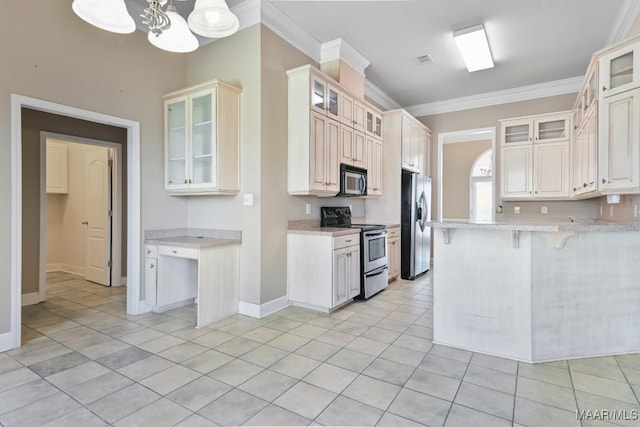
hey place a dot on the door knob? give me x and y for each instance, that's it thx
(85, 222)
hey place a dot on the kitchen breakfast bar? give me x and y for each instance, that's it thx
(537, 291)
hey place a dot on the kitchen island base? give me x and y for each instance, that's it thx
(537, 295)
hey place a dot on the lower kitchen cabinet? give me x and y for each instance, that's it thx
(176, 276)
(323, 272)
(393, 250)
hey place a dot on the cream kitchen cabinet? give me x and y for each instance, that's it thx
(584, 154)
(178, 275)
(323, 271)
(534, 156)
(393, 249)
(619, 142)
(373, 122)
(353, 147)
(374, 166)
(57, 169)
(620, 68)
(412, 137)
(202, 137)
(325, 97)
(551, 175)
(352, 112)
(544, 128)
(517, 171)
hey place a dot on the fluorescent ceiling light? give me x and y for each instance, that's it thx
(474, 47)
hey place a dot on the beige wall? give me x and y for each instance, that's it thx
(457, 160)
(55, 56)
(489, 117)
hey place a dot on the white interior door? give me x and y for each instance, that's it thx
(98, 205)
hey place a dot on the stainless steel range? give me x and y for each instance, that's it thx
(374, 264)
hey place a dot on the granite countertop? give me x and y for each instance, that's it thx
(533, 225)
(196, 238)
(312, 226)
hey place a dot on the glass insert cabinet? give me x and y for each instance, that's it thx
(202, 126)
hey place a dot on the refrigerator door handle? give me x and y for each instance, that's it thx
(423, 207)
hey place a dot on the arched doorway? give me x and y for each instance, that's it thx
(481, 188)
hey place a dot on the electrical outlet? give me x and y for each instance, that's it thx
(611, 211)
(543, 210)
(307, 208)
(601, 210)
(635, 210)
(248, 199)
(516, 209)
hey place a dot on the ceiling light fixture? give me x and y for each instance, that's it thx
(109, 15)
(167, 29)
(474, 47)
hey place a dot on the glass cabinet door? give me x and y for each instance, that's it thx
(552, 129)
(176, 143)
(517, 132)
(203, 141)
(619, 71)
(333, 100)
(318, 95)
(378, 126)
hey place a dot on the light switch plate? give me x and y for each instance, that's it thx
(307, 209)
(516, 209)
(544, 210)
(248, 199)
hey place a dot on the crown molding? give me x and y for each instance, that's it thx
(626, 17)
(248, 13)
(524, 93)
(342, 50)
(375, 94)
(285, 27)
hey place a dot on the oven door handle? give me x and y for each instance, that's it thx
(380, 233)
(378, 273)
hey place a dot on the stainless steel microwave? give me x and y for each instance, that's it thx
(353, 181)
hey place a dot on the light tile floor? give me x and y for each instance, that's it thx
(85, 362)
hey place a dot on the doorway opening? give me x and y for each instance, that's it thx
(457, 154)
(131, 128)
(481, 188)
(81, 224)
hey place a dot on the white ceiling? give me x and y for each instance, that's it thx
(533, 41)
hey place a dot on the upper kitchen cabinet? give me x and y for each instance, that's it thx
(619, 142)
(202, 140)
(328, 126)
(325, 98)
(411, 136)
(620, 68)
(374, 166)
(534, 153)
(57, 167)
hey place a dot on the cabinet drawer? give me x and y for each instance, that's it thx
(393, 232)
(151, 251)
(344, 241)
(178, 252)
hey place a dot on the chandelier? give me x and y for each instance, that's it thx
(167, 29)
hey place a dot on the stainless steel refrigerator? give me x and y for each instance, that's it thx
(415, 234)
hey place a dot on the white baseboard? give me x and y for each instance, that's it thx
(262, 310)
(6, 341)
(123, 282)
(30, 299)
(67, 268)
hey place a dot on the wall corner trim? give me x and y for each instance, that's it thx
(6, 341)
(262, 310)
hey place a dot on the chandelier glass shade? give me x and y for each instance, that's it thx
(212, 18)
(109, 15)
(177, 38)
(167, 29)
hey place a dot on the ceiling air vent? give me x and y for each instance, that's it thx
(425, 59)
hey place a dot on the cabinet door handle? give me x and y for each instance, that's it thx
(348, 241)
(175, 252)
(189, 181)
(148, 251)
(604, 88)
(151, 266)
(185, 180)
(584, 185)
(604, 181)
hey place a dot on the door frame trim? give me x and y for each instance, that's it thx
(116, 203)
(134, 305)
